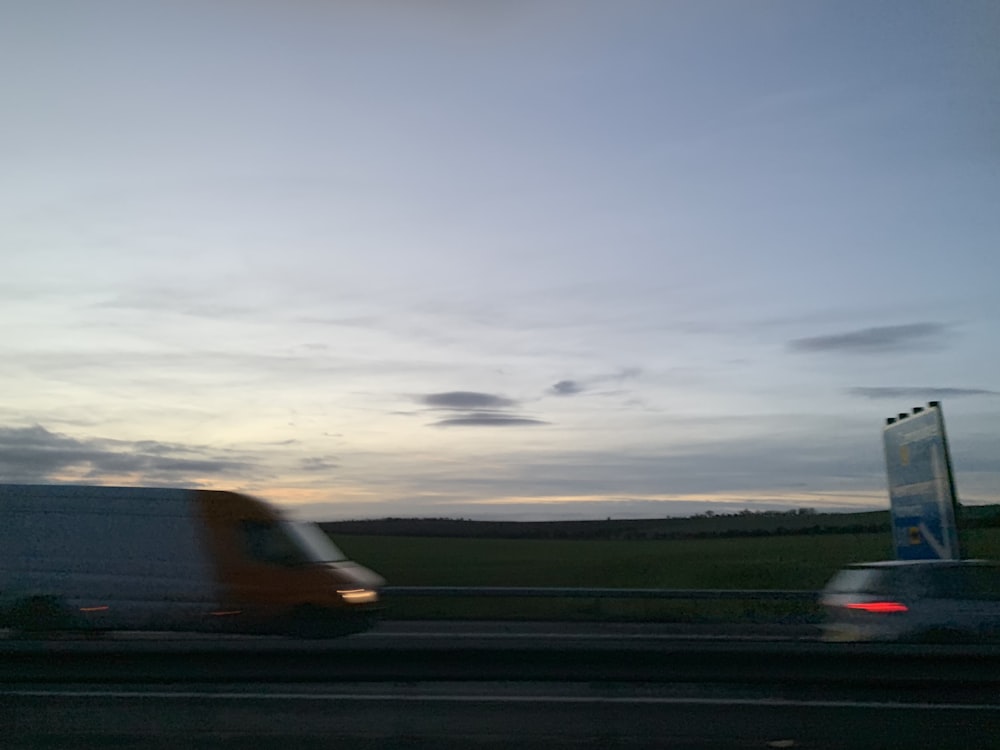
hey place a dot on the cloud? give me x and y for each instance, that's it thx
(567, 387)
(917, 393)
(461, 400)
(33, 454)
(571, 387)
(487, 419)
(318, 464)
(872, 340)
(476, 410)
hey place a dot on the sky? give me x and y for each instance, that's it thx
(498, 260)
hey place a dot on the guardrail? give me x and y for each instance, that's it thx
(600, 593)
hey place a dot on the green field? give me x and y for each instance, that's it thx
(781, 562)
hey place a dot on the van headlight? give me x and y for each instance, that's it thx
(358, 596)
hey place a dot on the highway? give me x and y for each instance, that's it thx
(492, 685)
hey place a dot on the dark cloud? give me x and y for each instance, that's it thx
(931, 394)
(477, 410)
(33, 454)
(318, 464)
(461, 400)
(567, 387)
(873, 340)
(487, 419)
(570, 387)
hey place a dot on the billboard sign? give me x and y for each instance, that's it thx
(921, 486)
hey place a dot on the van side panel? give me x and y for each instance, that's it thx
(222, 515)
(121, 557)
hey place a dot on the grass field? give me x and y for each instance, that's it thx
(783, 562)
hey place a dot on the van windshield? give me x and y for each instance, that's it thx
(315, 545)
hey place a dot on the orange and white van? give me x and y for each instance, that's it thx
(141, 558)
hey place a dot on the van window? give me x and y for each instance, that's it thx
(267, 542)
(313, 543)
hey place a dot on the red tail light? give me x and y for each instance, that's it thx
(878, 606)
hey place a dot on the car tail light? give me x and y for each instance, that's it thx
(880, 607)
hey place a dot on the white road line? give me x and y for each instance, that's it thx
(584, 636)
(632, 700)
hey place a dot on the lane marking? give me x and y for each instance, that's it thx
(584, 636)
(644, 700)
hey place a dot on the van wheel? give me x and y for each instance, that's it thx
(309, 621)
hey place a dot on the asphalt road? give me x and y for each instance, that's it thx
(476, 715)
(481, 685)
(395, 632)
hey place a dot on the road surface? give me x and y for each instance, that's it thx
(461, 685)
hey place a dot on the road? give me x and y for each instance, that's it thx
(491, 686)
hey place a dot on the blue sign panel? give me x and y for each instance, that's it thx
(921, 487)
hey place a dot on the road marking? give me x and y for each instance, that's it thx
(586, 636)
(632, 700)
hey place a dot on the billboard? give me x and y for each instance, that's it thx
(921, 486)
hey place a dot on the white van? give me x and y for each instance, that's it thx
(137, 558)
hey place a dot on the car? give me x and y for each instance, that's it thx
(914, 600)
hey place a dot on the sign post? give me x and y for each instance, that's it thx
(922, 498)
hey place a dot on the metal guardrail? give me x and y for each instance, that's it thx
(601, 593)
